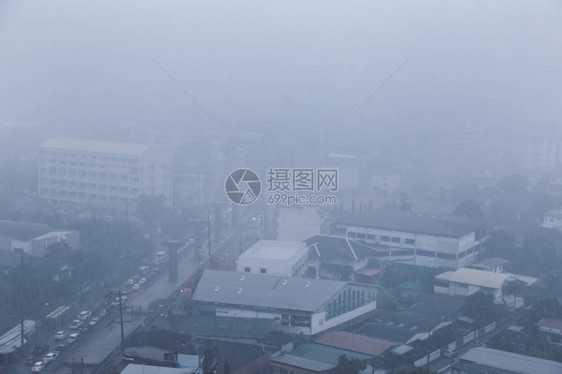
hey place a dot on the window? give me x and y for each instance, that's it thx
(385, 238)
(351, 234)
(410, 241)
(394, 239)
(371, 237)
(360, 236)
(263, 270)
(421, 252)
(246, 269)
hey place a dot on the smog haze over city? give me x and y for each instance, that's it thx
(280, 187)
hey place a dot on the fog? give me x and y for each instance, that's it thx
(331, 187)
(475, 64)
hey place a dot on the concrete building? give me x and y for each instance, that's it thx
(465, 282)
(487, 360)
(415, 238)
(33, 238)
(493, 264)
(274, 257)
(553, 219)
(297, 305)
(107, 176)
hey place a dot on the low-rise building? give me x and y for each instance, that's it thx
(553, 219)
(465, 282)
(273, 257)
(487, 360)
(493, 264)
(297, 305)
(552, 328)
(416, 238)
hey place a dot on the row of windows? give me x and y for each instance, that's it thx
(79, 156)
(383, 238)
(82, 196)
(102, 176)
(347, 301)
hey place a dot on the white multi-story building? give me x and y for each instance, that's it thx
(415, 238)
(109, 176)
(274, 257)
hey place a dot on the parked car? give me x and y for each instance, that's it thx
(449, 353)
(30, 361)
(72, 337)
(75, 325)
(38, 367)
(60, 335)
(50, 357)
(84, 315)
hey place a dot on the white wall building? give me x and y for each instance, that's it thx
(465, 282)
(553, 219)
(109, 176)
(416, 238)
(298, 305)
(274, 257)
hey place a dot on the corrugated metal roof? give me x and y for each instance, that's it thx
(303, 363)
(355, 342)
(95, 146)
(513, 362)
(269, 291)
(475, 277)
(413, 222)
(323, 353)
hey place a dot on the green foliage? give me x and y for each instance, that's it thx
(348, 366)
(481, 307)
(502, 244)
(543, 247)
(470, 209)
(151, 209)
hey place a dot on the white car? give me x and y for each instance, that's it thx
(84, 315)
(76, 324)
(136, 286)
(72, 337)
(49, 357)
(38, 367)
(60, 335)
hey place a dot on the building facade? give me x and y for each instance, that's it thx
(297, 305)
(274, 257)
(107, 176)
(413, 238)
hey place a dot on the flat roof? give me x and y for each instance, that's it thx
(147, 369)
(302, 363)
(326, 354)
(355, 342)
(550, 324)
(268, 291)
(491, 262)
(95, 146)
(475, 277)
(514, 362)
(413, 222)
(275, 250)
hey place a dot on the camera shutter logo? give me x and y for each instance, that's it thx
(243, 186)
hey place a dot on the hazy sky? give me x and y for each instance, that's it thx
(248, 62)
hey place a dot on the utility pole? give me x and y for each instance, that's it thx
(21, 306)
(121, 322)
(209, 232)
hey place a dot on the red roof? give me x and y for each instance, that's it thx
(354, 342)
(550, 324)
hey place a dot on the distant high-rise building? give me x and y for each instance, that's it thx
(108, 176)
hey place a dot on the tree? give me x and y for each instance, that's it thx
(151, 208)
(226, 368)
(479, 306)
(470, 209)
(541, 247)
(349, 366)
(501, 243)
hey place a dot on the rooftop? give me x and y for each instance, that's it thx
(326, 354)
(95, 146)
(22, 230)
(490, 262)
(475, 277)
(413, 222)
(355, 342)
(268, 291)
(337, 248)
(550, 324)
(510, 361)
(275, 250)
(147, 369)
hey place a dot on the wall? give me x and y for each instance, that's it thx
(319, 326)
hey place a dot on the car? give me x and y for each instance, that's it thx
(72, 337)
(93, 321)
(84, 328)
(142, 281)
(130, 282)
(60, 335)
(38, 367)
(450, 353)
(30, 361)
(50, 357)
(137, 286)
(104, 313)
(60, 348)
(39, 349)
(84, 315)
(75, 325)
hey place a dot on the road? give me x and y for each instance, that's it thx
(95, 347)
